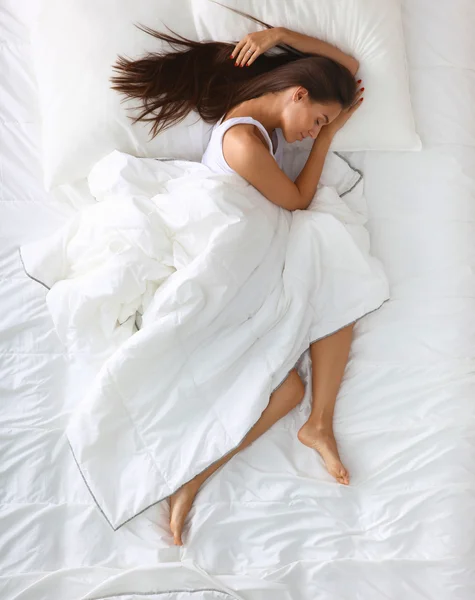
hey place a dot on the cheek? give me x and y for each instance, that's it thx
(293, 119)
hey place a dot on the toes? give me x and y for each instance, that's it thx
(176, 528)
(177, 522)
(342, 471)
(341, 475)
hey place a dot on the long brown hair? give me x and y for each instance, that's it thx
(201, 76)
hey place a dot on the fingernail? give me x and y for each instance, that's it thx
(235, 64)
(362, 90)
(359, 81)
(361, 99)
(233, 57)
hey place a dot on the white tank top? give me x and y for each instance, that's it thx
(213, 156)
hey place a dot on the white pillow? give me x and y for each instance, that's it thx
(75, 43)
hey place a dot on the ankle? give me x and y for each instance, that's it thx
(320, 422)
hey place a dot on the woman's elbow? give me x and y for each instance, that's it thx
(354, 66)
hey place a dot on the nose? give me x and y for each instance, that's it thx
(314, 131)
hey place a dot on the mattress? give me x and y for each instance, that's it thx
(272, 523)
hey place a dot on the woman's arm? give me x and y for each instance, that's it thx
(255, 44)
(246, 154)
(311, 45)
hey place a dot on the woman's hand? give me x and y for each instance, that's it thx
(346, 114)
(254, 44)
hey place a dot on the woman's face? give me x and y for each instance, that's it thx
(302, 118)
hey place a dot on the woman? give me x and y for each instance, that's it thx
(258, 100)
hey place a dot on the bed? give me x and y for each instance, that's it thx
(271, 524)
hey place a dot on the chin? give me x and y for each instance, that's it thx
(292, 138)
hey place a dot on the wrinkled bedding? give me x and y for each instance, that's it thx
(405, 417)
(229, 290)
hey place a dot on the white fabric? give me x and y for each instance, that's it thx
(213, 156)
(232, 290)
(83, 119)
(404, 420)
(182, 580)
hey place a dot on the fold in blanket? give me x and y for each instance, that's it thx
(198, 295)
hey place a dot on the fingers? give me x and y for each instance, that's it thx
(238, 48)
(246, 51)
(252, 57)
(355, 106)
(358, 98)
(244, 55)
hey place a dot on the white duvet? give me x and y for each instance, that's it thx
(196, 296)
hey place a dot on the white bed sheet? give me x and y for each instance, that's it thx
(405, 417)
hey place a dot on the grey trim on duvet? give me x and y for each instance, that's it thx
(125, 594)
(30, 276)
(353, 169)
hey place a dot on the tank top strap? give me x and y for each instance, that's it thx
(225, 125)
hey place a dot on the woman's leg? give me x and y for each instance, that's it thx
(283, 400)
(329, 358)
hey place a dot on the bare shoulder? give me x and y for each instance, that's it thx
(243, 144)
(243, 136)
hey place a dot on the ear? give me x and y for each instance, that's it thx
(299, 94)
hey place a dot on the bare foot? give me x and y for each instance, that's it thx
(180, 504)
(323, 441)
